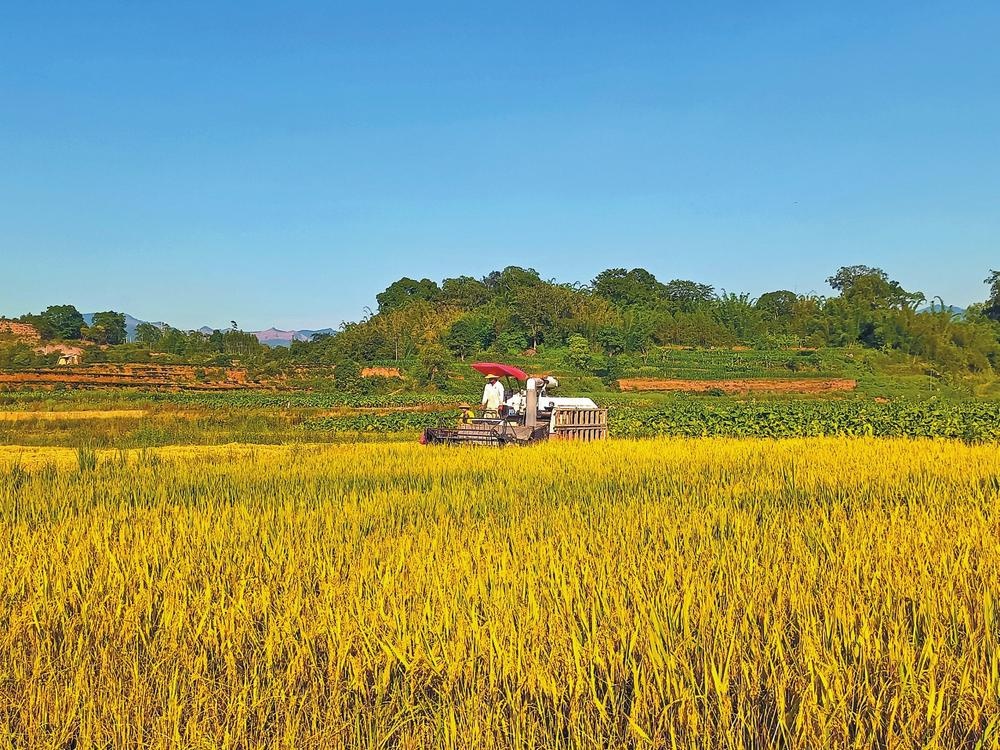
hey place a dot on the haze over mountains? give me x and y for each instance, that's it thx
(277, 337)
(270, 336)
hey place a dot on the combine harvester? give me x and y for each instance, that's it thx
(528, 415)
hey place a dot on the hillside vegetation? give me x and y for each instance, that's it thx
(624, 323)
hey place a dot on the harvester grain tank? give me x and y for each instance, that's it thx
(529, 414)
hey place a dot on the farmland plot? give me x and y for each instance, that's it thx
(824, 592)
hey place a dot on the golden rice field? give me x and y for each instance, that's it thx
(77, 415)
(673, 593)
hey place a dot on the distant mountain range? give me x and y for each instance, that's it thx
(277, 337)
(950, 308)
(131, 323)
(269, 337)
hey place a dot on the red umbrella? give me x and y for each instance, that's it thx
(495, 368)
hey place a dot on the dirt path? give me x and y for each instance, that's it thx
(755, 385)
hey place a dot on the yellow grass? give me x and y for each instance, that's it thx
(21, 416)
(671, 593)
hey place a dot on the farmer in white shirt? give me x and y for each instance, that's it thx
(492, 397)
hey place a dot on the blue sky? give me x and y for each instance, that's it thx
(281, 163)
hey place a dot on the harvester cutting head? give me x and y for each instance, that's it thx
(528, 414)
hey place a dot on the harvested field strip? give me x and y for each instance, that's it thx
(106, 380)
(184, 377)
(755, 385)
(22, 416)
(381, 372)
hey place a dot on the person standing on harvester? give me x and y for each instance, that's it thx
(492, 397)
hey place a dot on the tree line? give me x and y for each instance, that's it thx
(624, 312)
(65, 322)
(621, 313)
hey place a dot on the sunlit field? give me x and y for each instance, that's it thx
(819, 592)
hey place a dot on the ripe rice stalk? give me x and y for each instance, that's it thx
(834, 592)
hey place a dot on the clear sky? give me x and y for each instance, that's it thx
(281, 163)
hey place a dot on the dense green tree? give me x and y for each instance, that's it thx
(738, 314)
(320, 349)
(628, 288)
(696, 328)
(992, 307)
(540, 307)
(953, 344)
(871, 288)
(578, 352)
(59, 321)
(39, 323)
(638, 325)
(588, 314)
(629, 335)
(403, 328)
(107, 328)
(809, 321)
(148, 334)
(347, 375)
(510, 341)
(612, 339)
(432, 365)
(688, 295)
(777, 307)
(172, 341)
(217, 341)
(403, 292)
(507, 283)
(464, 292)
(234, 343)
(364, 341)
(468, 335)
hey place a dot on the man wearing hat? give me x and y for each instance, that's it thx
(492, 396)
